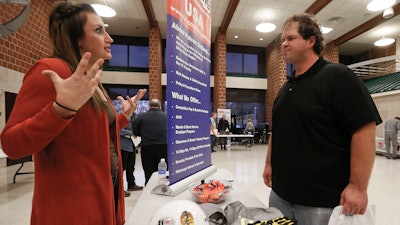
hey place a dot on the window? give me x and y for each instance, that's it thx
(115, 90)
(250, 63)
(246, 104)
(242, 63)
(129, 56)
(139, 56)
(120, 55)
(234, 62)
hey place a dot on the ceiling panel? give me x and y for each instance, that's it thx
(131, 20)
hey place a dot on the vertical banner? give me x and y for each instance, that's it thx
(188, 87)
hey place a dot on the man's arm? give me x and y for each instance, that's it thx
(246, 128)
(354, 197)
(267, 175)
(398, 127)
(212, 130)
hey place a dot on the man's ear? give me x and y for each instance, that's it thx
(312, 40)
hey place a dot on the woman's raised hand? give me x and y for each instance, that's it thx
(77, 89)
(130, 103)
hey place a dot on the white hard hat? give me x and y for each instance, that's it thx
(179, 212)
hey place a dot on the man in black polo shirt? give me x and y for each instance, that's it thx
(322, 147)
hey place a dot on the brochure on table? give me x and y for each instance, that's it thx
(188, 87)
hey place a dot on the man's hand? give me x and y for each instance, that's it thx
(354, 200)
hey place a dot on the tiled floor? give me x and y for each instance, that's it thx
(247, 166)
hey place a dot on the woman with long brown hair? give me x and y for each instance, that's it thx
(65, 119)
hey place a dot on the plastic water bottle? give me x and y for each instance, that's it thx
(162, 172)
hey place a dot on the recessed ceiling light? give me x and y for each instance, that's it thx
(103, 10)
(388, 13)
(326, 30)
(236, 36)
(261, 39)
(265, 27)
(384, 42)
(377, 5)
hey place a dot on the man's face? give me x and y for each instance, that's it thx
(294, 47)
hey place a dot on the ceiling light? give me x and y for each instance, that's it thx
(377, 5)
(265, 27)
(384, 42)
(388, 13)
(326, 30)
(236, 36)
(103, 10)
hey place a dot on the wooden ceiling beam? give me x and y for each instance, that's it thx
(228, 15)
(148, 8)
(317, 6)
(377, 20)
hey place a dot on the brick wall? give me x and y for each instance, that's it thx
(219, 71)
(379, 52)
(276, 74)
(20, 50)
(376, 52)
(331, 53)
(155, 64)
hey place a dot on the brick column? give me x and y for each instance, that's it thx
(155, 63)
(276, 74)
(219, 71)
(331, 53)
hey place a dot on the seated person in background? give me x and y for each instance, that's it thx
(250, 129)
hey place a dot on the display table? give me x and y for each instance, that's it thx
(20, 161)
(148, 203)
(3, 159)
(2, 154)
(381, 148)
(238, 136)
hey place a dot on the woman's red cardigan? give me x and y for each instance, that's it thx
(72, 181)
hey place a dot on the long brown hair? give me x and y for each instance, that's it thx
(66, 23)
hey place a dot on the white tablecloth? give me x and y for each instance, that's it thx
(148, 203)
(2, 154)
